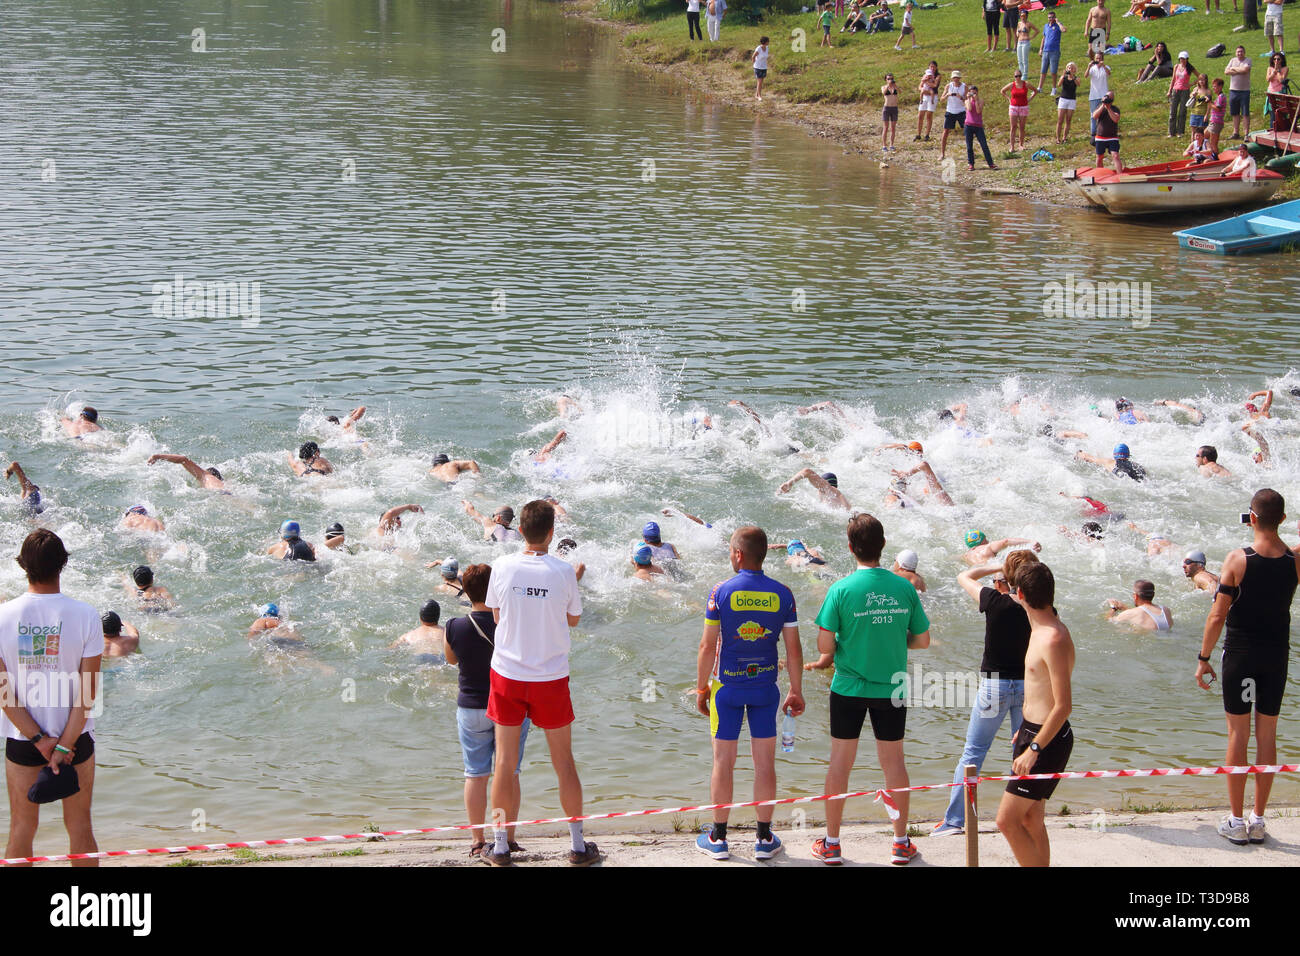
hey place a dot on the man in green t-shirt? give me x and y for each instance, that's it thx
(868, 621)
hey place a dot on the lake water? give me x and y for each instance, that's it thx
(455, 237)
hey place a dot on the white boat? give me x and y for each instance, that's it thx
(1171, 187)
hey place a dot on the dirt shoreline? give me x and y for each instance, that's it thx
(1086, 838)
(852, 126)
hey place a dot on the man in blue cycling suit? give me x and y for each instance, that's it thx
(737, 676)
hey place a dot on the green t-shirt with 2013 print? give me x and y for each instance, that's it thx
(871, 612)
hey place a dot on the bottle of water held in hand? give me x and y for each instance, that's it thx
(787, 733)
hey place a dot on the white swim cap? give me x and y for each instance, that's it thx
(907, 560)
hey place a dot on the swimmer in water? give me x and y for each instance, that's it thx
(87, 421)
(1090, 533)
(1207, 463)
(660, 550)
(309, 461)
(568, 407)
(270, 625)
(496, 528)
(1198, 416)
(31, 494)
(955, 418)
(1145, 614)
(137, 518)
(120, 639)
(827, 485)
(449, 572)
(980, 550)
(207, 478)
(833, 409)
(905, 567)
(1118, 464)
(1092, 508)
(897, 496)
(1126, 414)
(566, 547)
(291, 547)
(427, 637)
(1194, 570)
(336, 538)
(449, 469)
(1263, 455)
(149, 596)
(798, 555)
(543, 454)
(1059, 435)
(669, 512)
(643, 563)
(915, 447)
(1157, 542)
(1259, 410)
(348, 424)
(391, 520)
(933, 487)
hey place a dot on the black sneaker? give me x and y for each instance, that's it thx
(588, 856)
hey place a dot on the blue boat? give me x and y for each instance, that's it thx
(1271, 229)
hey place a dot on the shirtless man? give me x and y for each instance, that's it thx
(496, 527)
(643, 563)
(1207, 463)
(798, 555)
(905, 567)
(827, 486)
(85, 423)
(1194, 570)
(932, 485)
(980, 550)
(207, 478)
(1096, 28)
(1263, 455)
(1256, 412)
(120, 640)
(31, 494)
(137, 518)
(544, 453)
(1145, 614)
(426, 638)
(391, 520)
(1045, 738)
(151, 597)
(348, 424)
(309, 461)
(449, 469)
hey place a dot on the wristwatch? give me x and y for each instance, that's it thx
(1203, 660)
(1033, 745)
(40, 735)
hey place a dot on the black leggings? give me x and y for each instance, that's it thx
(991, 18)
(973, 133)
(693, 24)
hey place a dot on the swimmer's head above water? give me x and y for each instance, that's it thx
(1092, 530)
(449, 568)
(430, 612)
(334, 531)
(112, 624)
(650, 532)
(908, 560)
(142, 576)
(440, 459)
(1121, 452)
(504, 516)
(565, 546)
(270, 610)
(1193, 563)
(137, 510)
(214, 473)
(641, 555)
(290, 530)
(308, 451)
(90, 415)
(795, 547)
(830, 479)
(974, 538)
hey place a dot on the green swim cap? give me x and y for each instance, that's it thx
(975, 538)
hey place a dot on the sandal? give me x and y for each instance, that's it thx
(477, 849)
(516, 848)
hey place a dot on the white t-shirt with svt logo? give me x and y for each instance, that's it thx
(534, 595)
(43, 638)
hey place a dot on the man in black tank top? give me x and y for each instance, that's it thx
(1254, 597)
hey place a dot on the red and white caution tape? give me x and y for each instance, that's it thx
(881, 795)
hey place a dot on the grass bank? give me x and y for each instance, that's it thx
(835, 91)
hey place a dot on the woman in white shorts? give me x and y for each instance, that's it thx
(929, 90)
(1066, 102)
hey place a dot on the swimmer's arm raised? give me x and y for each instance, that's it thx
(354, 416)
(389, 516)
(16, 470)
(1198, 416)
(198, 473)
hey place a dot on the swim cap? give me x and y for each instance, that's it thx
(505, 512)
(137, 510)
(430, 612)
(332, 419)
(89, 414)
(641, 555)
(795, 547)
(290, 530)
(440, 460)
(270, 610)
(565, 546)
(650, 531)
(831, 479)
(112, 623)
(1196, 557)
(450, 568)
(214, 473)
(907, 560)
(1093, 530)
(915, 446)
(142, 576)
(975, 538)
(1122, 403)
(1250, 407)
(1121, 451)
(334, 531)
(308, 450)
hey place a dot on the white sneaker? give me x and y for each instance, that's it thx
(1255, 831)
(1234, 833)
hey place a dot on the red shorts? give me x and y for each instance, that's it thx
(546, 702)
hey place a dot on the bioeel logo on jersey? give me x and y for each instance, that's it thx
(751, 631)
(755, 601)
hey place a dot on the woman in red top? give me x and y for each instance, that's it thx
(1019, 96)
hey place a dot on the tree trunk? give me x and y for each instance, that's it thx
(1250, 15)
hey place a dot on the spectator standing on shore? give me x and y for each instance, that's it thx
(1180, 86)
(693, 19)
(929, 90)
(955, 113)
(992, 16)
(1273, 26)
(1098, 86)
(1107, 134)
(824, 17)
(717, 9)
(1010, 17)
(1018, 94)
(889, 115)
(1198, 105)
(974, 128)
(1050, 50)
(760, 65)
(1025, 33)
(1218, 110)
(1096, 28)
(1067, 102)
(1238, 73)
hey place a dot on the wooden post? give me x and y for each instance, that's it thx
(972, 823)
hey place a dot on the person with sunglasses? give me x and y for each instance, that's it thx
(1194, 570)
(1207, 463)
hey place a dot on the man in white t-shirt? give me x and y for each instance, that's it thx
(51, 648)
(534, 598)
(1273, 26)
(1098, 85)
(717, 9)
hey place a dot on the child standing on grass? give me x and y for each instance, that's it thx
(1218, 109)
(889, 116)
(760, 64)
(825, 18)
(907, 26)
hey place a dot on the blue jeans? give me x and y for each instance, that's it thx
(1022, 57)
(994, 699)
(478, 743)
(1092, 108)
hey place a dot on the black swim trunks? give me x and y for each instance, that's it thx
(25, 754)
(888, 717)
(1052, 759)
(1254, 676)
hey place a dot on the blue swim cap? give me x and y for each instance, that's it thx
(794, 547)
(1121, 451)
(270, 610)
(641, 555)
(289, 530)
(831, 479)
(650, 531)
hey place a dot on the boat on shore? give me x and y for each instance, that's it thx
(1172, 187)
(1271, 229)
